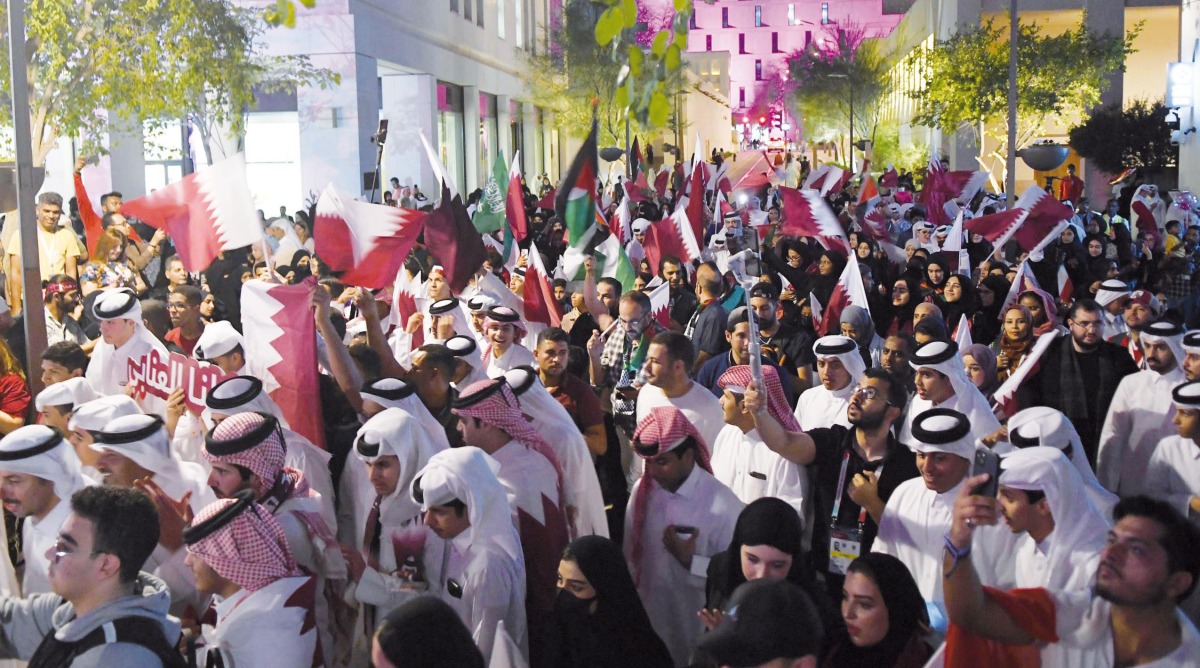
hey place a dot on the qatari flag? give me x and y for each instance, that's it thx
(453, 241)
(366, 241)
(671, 236)
(277, 323)
(805, 214)
(206, 213)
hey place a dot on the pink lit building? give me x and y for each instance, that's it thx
(760, 34)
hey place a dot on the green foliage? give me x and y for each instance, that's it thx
(827, 80)
(283, 12)
(143, 60)
(1114, 139)
(913, 156)
(595, 61)
(1058, 76)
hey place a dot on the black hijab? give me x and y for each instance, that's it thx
(618, 633)
(767, 521)
(906, 615)
(425, 632)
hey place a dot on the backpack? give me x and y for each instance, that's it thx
(136, 630)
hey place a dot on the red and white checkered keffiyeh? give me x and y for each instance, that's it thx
(667, 427)
(503, 411)
(739, 377)
(251, 550)
(265, 459)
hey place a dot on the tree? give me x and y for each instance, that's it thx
(608, 53)
(143, 61)
(1115, 139)
(832, 75)
(1059, 77)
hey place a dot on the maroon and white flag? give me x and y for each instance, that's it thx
(671, 236)
(514, 202)
(405, 295)
(206, 213)
(366, 241)
(848, 291)
(660, 300)
(540, 304)
(277, 325)
(1031, 219)
(805, 214)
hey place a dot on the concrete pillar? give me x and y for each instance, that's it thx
(504, 135)
(410, 105)
(535, 162)
(1189, 153)
(1105, 16)
(336, 125)
(471, 148)
(128, 160)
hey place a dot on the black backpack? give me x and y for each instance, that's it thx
(144, 631)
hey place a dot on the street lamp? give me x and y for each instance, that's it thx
(1010, 160)
(850, 81)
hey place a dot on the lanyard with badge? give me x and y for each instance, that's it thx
(845, 543)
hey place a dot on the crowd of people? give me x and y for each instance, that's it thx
(989, 462)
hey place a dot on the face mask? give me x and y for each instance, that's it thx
(566, 603)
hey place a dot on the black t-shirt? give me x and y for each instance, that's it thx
(899, 464)
(1089, 374)
(791, 348)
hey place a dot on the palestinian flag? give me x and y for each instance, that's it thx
(614, 263)
(575, 203)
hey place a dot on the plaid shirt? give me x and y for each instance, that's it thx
(612, 358)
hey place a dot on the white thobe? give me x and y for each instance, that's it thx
(1113, 325)
(38, 536)
(698, 405)
(313, 462)
(1033, 570)
(671, 593)
(915, 522)
(322, 561)
(169, 566)
(1174, 477)
(516, 355)
(1084, 624)
(1174, 472)
(1138, 418)
(492, 589)
(582, 500)
(742, 462)
(979, 414)
(259, 629)
(819, 407)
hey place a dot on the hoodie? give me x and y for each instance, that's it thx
(24, 622)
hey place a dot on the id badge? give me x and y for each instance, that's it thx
(844, 547)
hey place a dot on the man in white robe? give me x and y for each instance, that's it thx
(741, 459)
(247, 451)
(392, 548)
(679, 517)
(92, 417)
(942, 382)
(123, 338)
(482, 573)
(504, 330)
(57, 402)
(582, 501)
(917, 516)
(838, 365)
(491, 420)
(263, 602)
(1112, 296)
(245, 394)
(1045, 426)
(1060, 534)
(1141, 412)
(135, 452)
(1174, 472)
(39, 472)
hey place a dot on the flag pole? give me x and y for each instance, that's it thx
(31, 273)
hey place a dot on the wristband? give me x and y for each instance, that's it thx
(955, 554)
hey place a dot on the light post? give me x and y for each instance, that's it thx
(850, 83)
(1010, 160)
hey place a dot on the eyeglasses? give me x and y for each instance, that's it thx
(1086, 324)
(867, 393)
(63, 550)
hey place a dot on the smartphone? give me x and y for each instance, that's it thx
(987, 462)
(454, 588)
